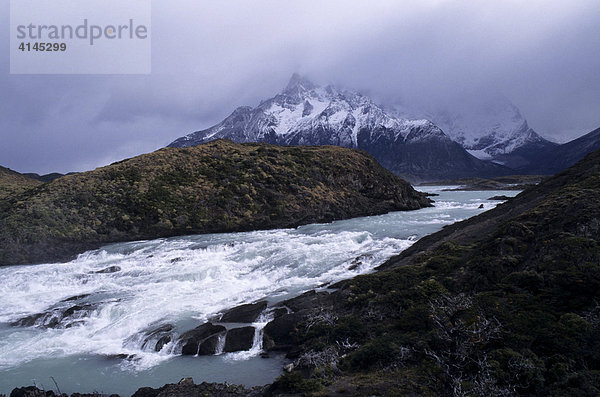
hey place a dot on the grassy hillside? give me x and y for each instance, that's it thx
(12, 182)
(506, 303)
(216, 187)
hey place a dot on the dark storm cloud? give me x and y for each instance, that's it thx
(210, 57)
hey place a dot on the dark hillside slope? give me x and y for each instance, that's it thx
(550, 160)
(11, 182)
(506, 303)
(216, 187)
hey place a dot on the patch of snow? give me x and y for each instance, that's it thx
(480, 154)
(286, 117)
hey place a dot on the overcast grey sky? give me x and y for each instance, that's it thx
(210, 57)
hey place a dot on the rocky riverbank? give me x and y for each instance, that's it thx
(184, 388)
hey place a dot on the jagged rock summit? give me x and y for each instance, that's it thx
(307, 114)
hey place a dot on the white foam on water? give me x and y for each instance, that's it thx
(171, 281)
(167, 280)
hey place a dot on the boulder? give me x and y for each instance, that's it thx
(158, 337)
(57, 318)
(110, 269)
(279, 311)
(239, 339)
(162, 342)
(75, 298)
(146, 392)
(268, 343)
(282, 331)
(121, 356)
(247, 313)
(191, 340)
(31, 320)
(186, 382)
(209, 345)
(78, 311)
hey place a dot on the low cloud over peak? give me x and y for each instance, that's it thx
(210, 57)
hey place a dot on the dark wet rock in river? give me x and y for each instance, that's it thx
(210, 345)
(76, 298)
(191, 340)
(247, 313)
(359, 261)
(33, 319)
(500, 198)
(121, 356)
(239, 339)
(77, 310)
(158, 337)
(110, 269)
(162, 342)
(58, 317)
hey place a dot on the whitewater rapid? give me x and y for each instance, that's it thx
(184, 281)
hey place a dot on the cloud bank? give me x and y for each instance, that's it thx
(210, 57)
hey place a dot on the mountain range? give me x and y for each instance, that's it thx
(488, 138)
(307, 114)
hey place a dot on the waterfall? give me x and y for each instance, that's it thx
(220, 344)
(259, 326)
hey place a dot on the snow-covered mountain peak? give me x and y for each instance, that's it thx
(299, 83)
(305, 113)
(344, 113)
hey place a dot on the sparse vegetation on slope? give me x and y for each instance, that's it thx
(216, 187)
(12, 183)
(506, 303)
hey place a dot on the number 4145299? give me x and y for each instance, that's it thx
(43, 47)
